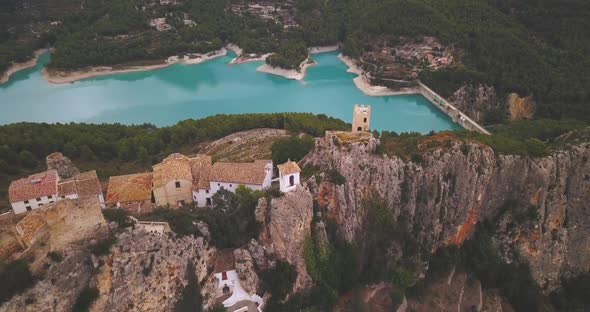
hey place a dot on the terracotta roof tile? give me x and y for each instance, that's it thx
(242, 173)
(30, 225)
(201, 169)
(83, 184)
(224, 260)
(67, 187)
(175, 166)
(33, 186)
(288, 167)
(129, 188)
(88, 184)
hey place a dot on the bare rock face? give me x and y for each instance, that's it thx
(245, 269)
(59, 288)
(521, 107)
(290, 224)
(147, 271)
(63, 165)
(263, 255)
(478, 101)
(457, 185)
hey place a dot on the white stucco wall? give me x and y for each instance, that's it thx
(284, 181)
(21, 207)
(200, 197)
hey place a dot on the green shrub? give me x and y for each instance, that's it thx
(120, 216)
(103, 247)
(279, 279)
(15, 277)
(55, 256)
(335, 177)
(85, 299)
(293, 148)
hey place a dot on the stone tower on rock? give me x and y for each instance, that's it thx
(361, 118)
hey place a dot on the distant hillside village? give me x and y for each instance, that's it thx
(62, 206)
(177, 181)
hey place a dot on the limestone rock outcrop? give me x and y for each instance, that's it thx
(478, 102)
(290, 224)
(147, 271)
(246, 272)
(63, 165)
(458, 184)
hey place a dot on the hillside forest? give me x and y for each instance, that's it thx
(532, 47)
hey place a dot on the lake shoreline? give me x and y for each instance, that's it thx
(287, 73)
(16, 67)
(60, 77)
(362, 82)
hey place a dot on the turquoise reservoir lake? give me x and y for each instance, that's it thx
(166, 96)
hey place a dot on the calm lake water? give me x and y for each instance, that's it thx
(178, 92)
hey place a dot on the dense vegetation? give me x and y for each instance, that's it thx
(15, 277)
(537, 47)
(231, 221)
(533, 138)
(85, 299)
(24, 146)
(290, 54)
(293, 148)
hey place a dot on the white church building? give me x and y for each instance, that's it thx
(288, 176)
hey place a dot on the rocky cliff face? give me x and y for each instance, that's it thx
(63, 165)
(290, 223)
(478, 101)
(457, 185)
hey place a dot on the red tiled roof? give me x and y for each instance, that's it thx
(224, 260)
(289, 167)
(83, 184)
(175, 166)
(201, 168)
(33, 186)
(129, 188)
(239, 173)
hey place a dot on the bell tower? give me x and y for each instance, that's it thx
(361, 118)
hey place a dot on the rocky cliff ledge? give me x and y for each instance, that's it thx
(460, 183)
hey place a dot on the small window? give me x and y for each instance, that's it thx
(218, 184)
(26, 201)
(177, 184)
(29, 208)
(49, 197)
(51, 202)
(365, 119)
(206, 191)
(359, 129)
(38, 198)
(230, 185)
(208, 201)
(63, 197)
(195, 197)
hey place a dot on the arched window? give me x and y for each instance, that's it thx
(292, 180)
(359, 129)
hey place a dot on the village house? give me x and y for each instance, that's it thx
(228, 176)
(85, 184)
(173, 181)
(288, 176)
(45, 188)
(33, 191)
(132, 192)
(179, 180)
